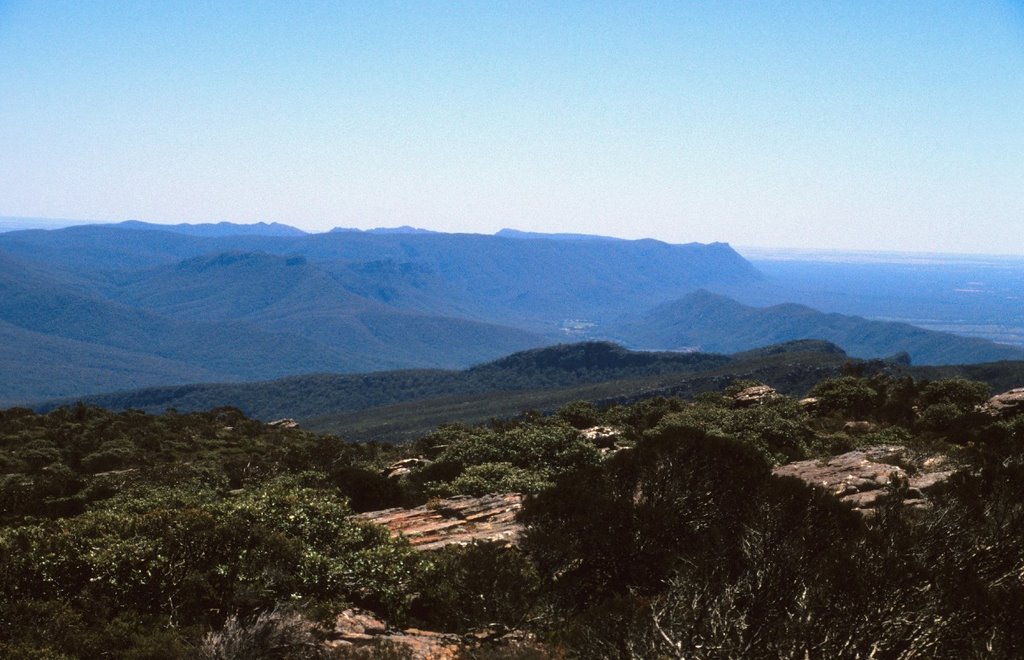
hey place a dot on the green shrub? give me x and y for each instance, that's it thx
(481, 584)
(523, 457)
(680, 495)
(849, 396)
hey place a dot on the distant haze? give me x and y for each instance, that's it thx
(845, 125)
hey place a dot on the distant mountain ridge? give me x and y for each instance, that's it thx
(516, 233)
(321, 398)
(218, 228)
(229, 302)
(710, 322)
(404, 229)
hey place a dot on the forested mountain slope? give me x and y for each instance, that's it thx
(230, 302)
(396, 406)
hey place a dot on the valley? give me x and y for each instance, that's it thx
(132, 305)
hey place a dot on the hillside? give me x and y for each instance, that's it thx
(535, 284)
(231, 302)
(710, 322)
(397, 406)
(885, 515)
(309, 396)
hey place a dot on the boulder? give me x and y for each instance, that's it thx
(858, 427)
(284, 423)
(404, 466)
(809, 403)
(1007, 404)
(755, 395)
(860, 478)
(603, 437)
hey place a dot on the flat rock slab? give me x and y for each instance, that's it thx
(860, 477)
(461, 519)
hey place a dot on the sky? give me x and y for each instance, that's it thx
(840, 125)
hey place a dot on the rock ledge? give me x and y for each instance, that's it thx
(860, 477)
(461, 519)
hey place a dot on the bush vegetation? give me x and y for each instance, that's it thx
(211, 535)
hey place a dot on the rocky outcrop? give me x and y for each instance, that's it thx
(810, 403)
(860, 478)
(1007, 404)
(755, 395)
(284, 423)
(404, 467)
(461, 519)
(607, 439)
(603, 437)
(360, 634)
(859, 427)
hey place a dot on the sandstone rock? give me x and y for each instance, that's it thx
(460, 519)
(285, 423)
(603, 437)
(755, 395)
(927, 481)
(809, 403)
(860, 478)
(404, 466)
(934, 462)
(364, 635)
(360, 634)
(1007, 404)
(858, 427)
(357, 624)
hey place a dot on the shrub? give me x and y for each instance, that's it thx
(681, 495)
(849, 396)
(276, 634)
(527, 457)
(477, 585)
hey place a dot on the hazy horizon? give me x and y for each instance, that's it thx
(849, 125)
(752, 252)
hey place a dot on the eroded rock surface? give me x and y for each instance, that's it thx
(363, 635)
(461, 519)
(1007, 404)
(755, 395)
(860, 477)
(405, 466)
(603, 437)
(360, 634)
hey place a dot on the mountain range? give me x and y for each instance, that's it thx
(82, 305)
(99, 308)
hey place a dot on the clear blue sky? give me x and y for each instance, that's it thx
(861, 124)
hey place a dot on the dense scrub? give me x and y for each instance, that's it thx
(209, 534)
